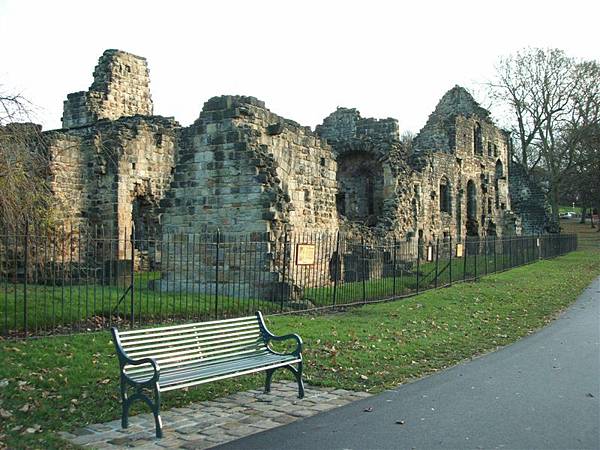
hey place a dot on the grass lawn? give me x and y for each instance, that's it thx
(92, 306)
(65, 382)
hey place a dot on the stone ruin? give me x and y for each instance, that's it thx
(240, 168)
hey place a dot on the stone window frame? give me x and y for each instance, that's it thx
(445, 195)
(477, 139)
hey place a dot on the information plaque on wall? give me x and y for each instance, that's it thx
(305, 254)
(459, 250)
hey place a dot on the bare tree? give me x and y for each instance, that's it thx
(551, 99)
(24, 193)
(536, 84)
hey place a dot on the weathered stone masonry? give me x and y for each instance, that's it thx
(242, 169)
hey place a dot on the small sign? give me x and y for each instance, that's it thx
(305, 254)
(430, 253)
(459, 250)
(538, 242)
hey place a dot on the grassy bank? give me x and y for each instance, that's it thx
(62, 383)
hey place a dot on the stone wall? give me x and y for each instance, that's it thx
(98, 173)
(120, 88)
(462, 148)
(243, 169)
(249, 178)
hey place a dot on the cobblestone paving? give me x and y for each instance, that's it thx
(206, 424)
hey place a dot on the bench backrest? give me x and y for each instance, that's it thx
(184, 345)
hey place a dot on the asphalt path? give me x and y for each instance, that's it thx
(541, 392)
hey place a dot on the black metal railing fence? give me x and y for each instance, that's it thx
(77, 280)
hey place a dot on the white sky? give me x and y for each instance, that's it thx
(303, 58)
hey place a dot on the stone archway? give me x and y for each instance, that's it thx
(360, 182)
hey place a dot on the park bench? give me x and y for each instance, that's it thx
(180, 356)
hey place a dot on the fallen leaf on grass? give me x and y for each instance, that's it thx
(34, 429)
(26, 407)
(5, 414)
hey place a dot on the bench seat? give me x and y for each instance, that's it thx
(180, 356)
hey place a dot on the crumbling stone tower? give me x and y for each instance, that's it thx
(111, 163)
(121, 88)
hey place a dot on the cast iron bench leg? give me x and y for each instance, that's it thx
(268, 378)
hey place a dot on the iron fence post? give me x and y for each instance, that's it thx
(132, 275)
(285, 263)
(418, 262)
(486, 253)
(466, 246)
(450, 266)
(475, 255)
(394, 269)
(364, 270)
(217, 274)
(437, 254)
(336, 272)
(495, 259)
(25, 275)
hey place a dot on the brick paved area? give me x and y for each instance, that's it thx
(206, 424)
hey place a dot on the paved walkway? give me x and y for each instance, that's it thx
(541, 392)
(206, 424)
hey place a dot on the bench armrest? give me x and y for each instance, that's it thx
(268, 336)
(126, 360)
(298, 339)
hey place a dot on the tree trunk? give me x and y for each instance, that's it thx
(583, 211)
(554, 203)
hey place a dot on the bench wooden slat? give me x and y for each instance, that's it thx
(193, 349)
(188, 329)
(186, 340)
(171, 335)
(220, 377)
(188, 343)
(187, 325)
(217, 355)
(199, 370)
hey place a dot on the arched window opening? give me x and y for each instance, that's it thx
(445, 196)
(472, 224)
(498, 174)
(477, 139)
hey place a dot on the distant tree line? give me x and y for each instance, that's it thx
(554, 104)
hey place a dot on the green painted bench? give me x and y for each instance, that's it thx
(175, 357)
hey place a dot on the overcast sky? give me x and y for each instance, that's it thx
(303, 58)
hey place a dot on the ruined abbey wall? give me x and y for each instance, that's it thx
(241, 170)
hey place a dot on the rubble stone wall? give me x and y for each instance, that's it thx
(120, 88)
(243, 169)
